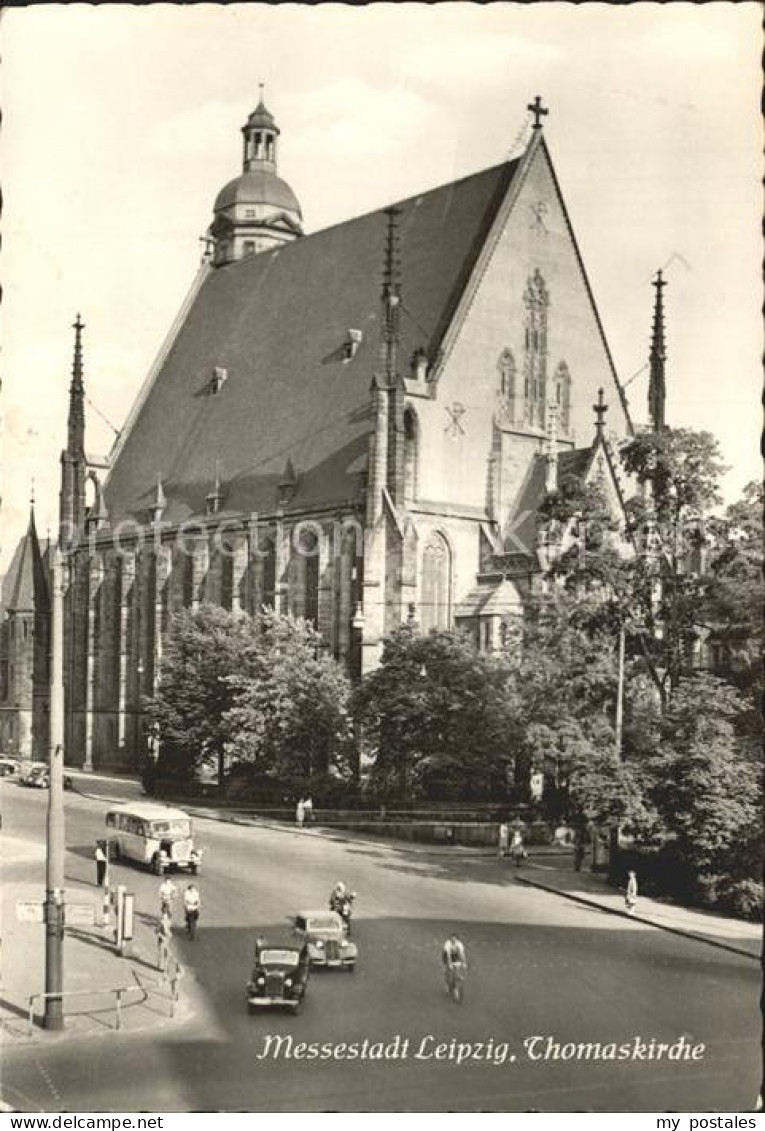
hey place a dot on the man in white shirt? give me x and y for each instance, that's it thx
(167, 893)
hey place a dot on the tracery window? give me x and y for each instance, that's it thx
(563, 396)
(536, 300)
(507, 376)
(435, 611)
(411, 453)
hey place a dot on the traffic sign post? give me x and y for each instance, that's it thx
(29, 912)
(80, 915)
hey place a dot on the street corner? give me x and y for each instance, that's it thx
(20, 850)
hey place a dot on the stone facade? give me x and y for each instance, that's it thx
(423, 507)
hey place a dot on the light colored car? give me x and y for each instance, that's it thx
(30, 774)
(328, 945)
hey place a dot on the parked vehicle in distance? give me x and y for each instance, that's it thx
(323, 932)
(8, 767)
(280, 974)
(38, 777)
(155, 835)
(29, 774)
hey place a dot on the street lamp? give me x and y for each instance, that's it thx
(54, 881)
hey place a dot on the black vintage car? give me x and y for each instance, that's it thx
(279, 975)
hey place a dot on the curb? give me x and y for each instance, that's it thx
(576, 898)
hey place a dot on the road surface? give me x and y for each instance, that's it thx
(540, 966)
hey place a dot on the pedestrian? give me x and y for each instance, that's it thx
(504, 836)
(308, 810)
(101, 864)
(192, 903)
(167, 893)
(164, 940)
(517, 850)
(578, 852)
(631, 894)
(300, 813)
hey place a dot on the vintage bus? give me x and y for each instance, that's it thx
(155, 835)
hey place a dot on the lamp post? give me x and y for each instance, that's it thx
(54, 882)
(620, 694)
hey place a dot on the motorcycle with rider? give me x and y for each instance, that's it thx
(341, 901)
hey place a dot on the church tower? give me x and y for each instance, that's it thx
(257, 210)
(73, 462)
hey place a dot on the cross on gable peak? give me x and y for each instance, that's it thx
(538, 110)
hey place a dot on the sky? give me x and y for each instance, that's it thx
(121, 123)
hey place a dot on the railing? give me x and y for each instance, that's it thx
(172, 975)
(118, 991)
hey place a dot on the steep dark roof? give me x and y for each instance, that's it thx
(575, 462)
(277, 323)
(24, 586)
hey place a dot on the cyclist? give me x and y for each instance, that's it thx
(454, 959)
(167, 893)
(192, 903)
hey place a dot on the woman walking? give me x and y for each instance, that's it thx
(631, 894)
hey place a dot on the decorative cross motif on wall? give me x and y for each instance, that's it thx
(455, 413)
(539, 210)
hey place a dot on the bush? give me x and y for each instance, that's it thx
(742, 898)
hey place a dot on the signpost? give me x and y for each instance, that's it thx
(80, 915)
(27, 912)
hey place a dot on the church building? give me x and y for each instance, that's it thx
(356, 426)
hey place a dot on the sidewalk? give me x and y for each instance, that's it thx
(735, 935)
(353, 836)
(92, 968)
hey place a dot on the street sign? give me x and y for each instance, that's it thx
(80, 915)
(29, 912)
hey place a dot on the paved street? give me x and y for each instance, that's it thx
(540, 964)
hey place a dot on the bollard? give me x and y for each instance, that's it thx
(118, 1017)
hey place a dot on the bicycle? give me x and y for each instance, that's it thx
(455, 981)
(192, 918)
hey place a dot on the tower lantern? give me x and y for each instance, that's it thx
(258, 210)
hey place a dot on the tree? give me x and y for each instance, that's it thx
(565, 686)
(200, 649)
(255, 690)
(290, 718)
(734, 602)
(438, 718)
(678, 470)
(704, 788)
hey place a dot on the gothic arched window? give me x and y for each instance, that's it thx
(411, 453)
(307, 571)
(563, 396)
(268, 561)
(537, 301)
(507, 375)
(435, 603)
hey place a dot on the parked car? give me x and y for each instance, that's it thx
(323, 932)
(280, 972)
(39, 778)
(8, 767)
(30, 775)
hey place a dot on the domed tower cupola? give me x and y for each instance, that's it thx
(257, 210)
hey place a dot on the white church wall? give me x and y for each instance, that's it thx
(457, 425)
